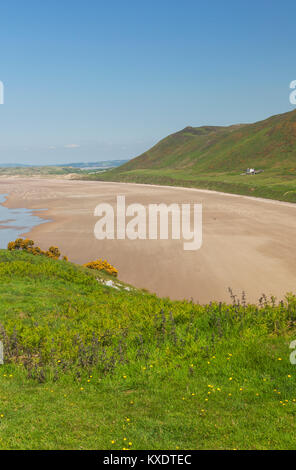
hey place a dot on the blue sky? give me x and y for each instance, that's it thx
(94, 80)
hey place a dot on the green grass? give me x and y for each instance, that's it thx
(267, 185)
(214, 158)
(87, 365)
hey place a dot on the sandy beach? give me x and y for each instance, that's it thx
(248, 243)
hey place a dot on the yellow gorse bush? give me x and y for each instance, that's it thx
(54, 252)
(102, 265)
(28, 246)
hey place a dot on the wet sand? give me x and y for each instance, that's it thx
(248, 243)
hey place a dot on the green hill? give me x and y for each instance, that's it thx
(214, 157)
(89, 366)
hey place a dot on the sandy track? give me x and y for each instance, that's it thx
(248, 244)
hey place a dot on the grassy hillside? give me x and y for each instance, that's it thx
(88, 366)
(214, 158)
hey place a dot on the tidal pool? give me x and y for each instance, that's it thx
(14, 222)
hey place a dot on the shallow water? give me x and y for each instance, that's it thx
(14, 222)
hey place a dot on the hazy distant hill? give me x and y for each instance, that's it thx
(103, 164)
(100, 164)
(69, 170)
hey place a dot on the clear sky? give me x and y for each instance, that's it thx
(97, 80)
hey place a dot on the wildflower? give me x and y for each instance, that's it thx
(130, 443)
(230, 378)
(289, 376)
(279, 358)
(81, 388)
(124, 376)
(113, 442)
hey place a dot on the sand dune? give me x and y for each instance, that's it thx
(248, 243)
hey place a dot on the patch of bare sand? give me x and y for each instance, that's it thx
(248, 243)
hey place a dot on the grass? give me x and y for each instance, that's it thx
(268, 185)
(92, 367)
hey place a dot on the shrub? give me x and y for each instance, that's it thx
(28, 246)
(102, 265)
